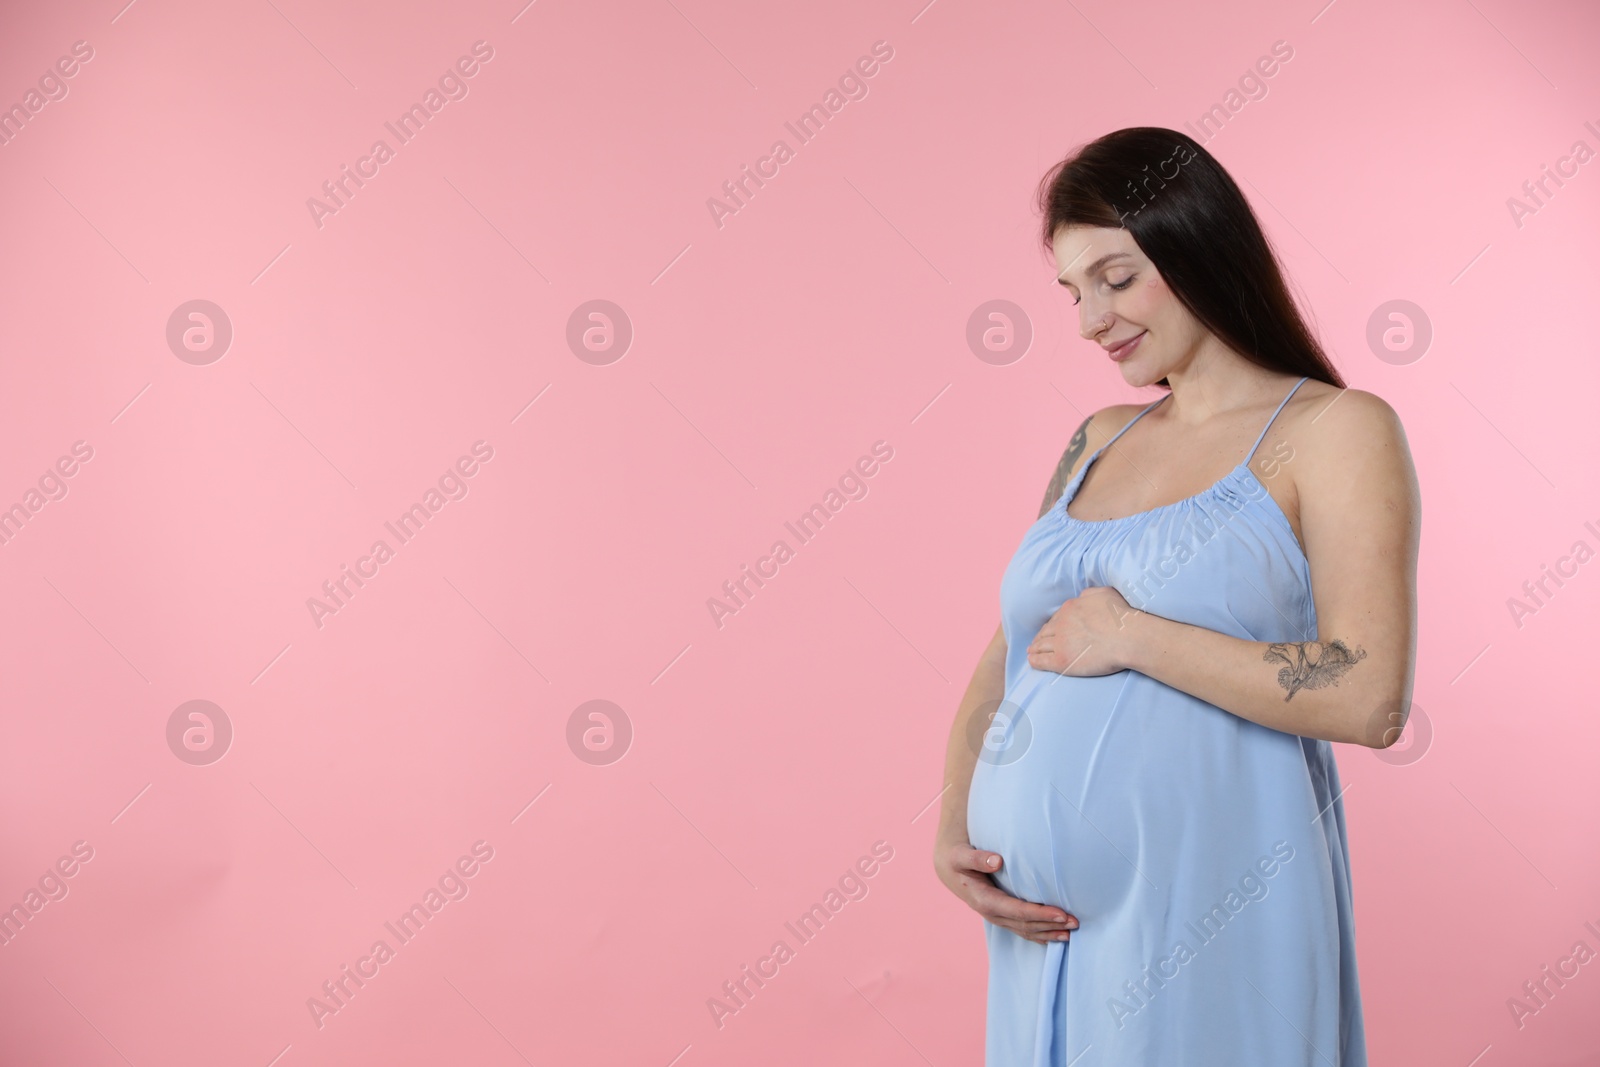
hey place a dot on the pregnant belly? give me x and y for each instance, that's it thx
(1085, 786)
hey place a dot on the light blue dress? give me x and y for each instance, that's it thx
(1203, 855)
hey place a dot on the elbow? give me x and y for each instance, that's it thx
(1383, 737)
(1385, 724)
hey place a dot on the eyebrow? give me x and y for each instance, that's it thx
(1097, 264)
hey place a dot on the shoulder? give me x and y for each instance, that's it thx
(1349, 456)
(1091, 434)
(1344, 424)
(1107, 421)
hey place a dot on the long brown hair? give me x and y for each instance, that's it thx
(1188, 216)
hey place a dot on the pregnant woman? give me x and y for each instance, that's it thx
(1143, 802)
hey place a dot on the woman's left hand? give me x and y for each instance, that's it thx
(1087, 636)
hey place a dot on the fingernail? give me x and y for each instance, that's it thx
(1063, 937)
(993, 860)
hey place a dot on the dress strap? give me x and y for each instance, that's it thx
(1128, 427)
(1270, 421)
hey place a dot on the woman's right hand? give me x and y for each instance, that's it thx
(965, 872)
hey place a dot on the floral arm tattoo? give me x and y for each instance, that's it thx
(1059, 480)
(1312, 664)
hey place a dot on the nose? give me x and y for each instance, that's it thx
(1092, 320)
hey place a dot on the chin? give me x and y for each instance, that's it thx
(1137, 373)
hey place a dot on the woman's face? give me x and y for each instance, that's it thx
(1120, 296)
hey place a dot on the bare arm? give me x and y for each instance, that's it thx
(965, 870)
(988, 684)
(1360, 516)
(987, 687)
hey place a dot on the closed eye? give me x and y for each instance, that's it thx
(1119, 286)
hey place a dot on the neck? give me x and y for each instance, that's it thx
(1215, 380)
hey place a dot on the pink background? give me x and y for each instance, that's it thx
(767, 355)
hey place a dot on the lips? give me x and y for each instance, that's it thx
(1123, 349)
